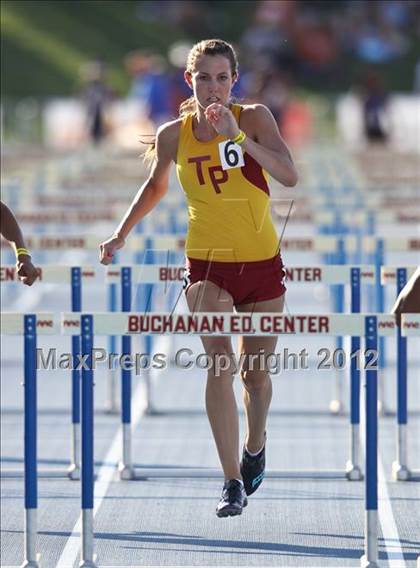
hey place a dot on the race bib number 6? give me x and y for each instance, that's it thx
(231, 155)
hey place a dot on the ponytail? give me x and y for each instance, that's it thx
(187, 107)
(150, 154)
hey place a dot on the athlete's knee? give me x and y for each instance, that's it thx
(255, 381)
(220, 358)
(218, 346)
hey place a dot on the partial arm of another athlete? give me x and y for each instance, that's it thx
(408, 301)
(11, 231)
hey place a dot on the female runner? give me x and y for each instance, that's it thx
(223, 153)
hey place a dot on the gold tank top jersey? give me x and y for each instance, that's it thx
(229, 218)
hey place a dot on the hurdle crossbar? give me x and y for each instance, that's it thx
(322, 244)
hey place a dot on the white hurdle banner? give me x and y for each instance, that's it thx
(319, 217)
(68, 216)
(53, 274)
(228, 323)
(211, 323)
(160, 273)
(328, 274)
(322, 244)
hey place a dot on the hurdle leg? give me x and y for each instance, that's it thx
(30, 427)
(400, 470)
(336, 405)
(76, 306)
(74, 468)
(370, 558)
(353, 469)
(87, 473)
(146, 304)
(112, 405)
(150, 408)
(383, 405)
(125, 466)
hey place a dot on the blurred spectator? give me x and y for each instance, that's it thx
(190, 16)
(375, 102)
(150, 84)
(395, 12)
(379, 44)
(316, 48)
(96, 96)
(177, 55)
(268, 37)
(372, 30)
(269, 87)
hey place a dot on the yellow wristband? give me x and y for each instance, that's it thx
(22, 252)
(239, 138)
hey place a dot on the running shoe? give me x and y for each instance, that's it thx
(233, 499)
(252, 470)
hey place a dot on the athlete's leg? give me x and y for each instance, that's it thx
(205, 296)
(256, 381)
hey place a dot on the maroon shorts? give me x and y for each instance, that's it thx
(246, 282)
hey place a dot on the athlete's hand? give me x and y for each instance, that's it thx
(222, 120)
(109, 247)
(26, 271)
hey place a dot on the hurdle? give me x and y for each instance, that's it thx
(74, 276)
(89, 325)
(27, 325)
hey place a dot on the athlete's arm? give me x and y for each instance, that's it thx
(151, 192)
(11, 231)
(9, 227)
(270, 150)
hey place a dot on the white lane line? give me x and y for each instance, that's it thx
(388, 524)
(386, 517)
(104, 477)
